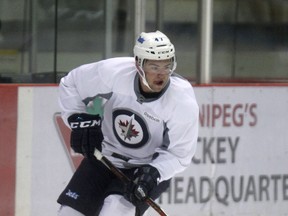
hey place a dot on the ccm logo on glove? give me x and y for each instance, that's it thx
(86, 134)
(85, 124)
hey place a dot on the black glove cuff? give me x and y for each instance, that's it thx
(148, 176)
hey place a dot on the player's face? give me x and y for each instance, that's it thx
(157, 74)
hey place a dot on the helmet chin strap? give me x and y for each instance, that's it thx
(143, 77)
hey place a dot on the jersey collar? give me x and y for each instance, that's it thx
(140, 97)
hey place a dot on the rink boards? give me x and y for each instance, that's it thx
(240, 167)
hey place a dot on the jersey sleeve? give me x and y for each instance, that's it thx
(79, 86)
(182, 130)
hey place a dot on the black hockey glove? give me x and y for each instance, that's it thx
(144, 180)
(86, 134)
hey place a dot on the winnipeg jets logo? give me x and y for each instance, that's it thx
(129, 128)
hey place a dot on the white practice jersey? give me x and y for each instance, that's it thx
(158, 131)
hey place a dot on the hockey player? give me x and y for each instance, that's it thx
(149, 128)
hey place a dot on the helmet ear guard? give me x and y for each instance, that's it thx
(138, 61)
(139, 66)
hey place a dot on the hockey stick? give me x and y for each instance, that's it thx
(125, 179)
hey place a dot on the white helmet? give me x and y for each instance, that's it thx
(153, 46)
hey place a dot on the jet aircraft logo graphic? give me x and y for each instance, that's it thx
(64, 134)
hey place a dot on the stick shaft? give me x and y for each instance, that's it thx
(126, 180)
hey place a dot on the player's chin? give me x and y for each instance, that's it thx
(158, 87)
